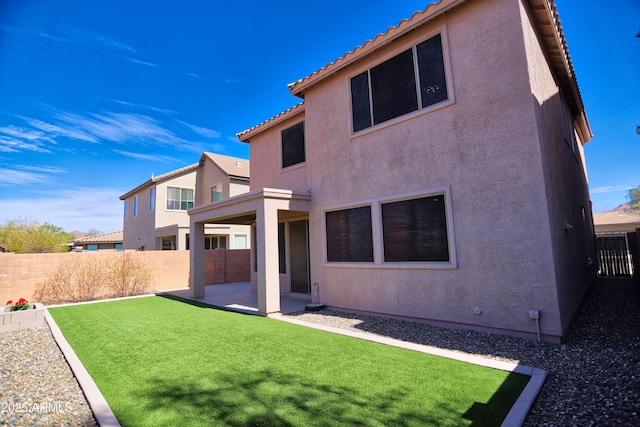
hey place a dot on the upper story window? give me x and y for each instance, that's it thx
(135, 205)
(126, 209)
(152, 199)
(293, 145)
(409, 81)
(216, 192)
(179, 198)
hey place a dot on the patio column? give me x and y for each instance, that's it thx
(267, 256)
(196, 260)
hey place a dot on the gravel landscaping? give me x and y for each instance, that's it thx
(593, 378)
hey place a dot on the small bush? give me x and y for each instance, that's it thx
(90, 278)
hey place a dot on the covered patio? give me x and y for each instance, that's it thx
(262, 208)
(240, 297)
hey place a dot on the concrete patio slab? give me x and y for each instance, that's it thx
(239, 297)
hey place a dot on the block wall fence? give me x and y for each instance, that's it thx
(20, 274)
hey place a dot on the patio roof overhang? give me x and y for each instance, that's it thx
(242, 209)
(264, 207)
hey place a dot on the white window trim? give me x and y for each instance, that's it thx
(219, 185)
(166, 198)
(376, 229)
(420, 111)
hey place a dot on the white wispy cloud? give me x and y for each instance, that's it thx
(12, 141)
(202, 131)
(610, 189)
(150, 157)
(72, 209)
(22, 175)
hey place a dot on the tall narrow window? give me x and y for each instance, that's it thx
(216, 192)
(293, 151)
(152, 199)
(135, 205)
(393, 89)
(126, 209)
(349, 235)
(415, 230)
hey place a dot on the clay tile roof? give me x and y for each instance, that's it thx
(246, 134)
(113, 237)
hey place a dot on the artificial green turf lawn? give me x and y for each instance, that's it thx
(165, 362)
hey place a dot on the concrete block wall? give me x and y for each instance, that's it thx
(20, 274)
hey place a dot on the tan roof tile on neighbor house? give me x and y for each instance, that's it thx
(113, 237)
(232, 166)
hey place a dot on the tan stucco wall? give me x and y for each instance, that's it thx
(486, 149)
(565, 185)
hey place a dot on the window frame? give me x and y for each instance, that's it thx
(304, 146)
(447, 225)
(180, 201)
(377, 231)
(421, 110)
(152, 199)
(220, 193)
(326, 236)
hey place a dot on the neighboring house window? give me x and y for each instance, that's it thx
(92, 248)
(168, 243)
(415, 230)
(215, 242)
(216, 192)
(135, 205)
(293, 145)
(118, 247)
(240, 241)
(126, 209)
(349, 235)
(152, 199)
(393, 88)
(179, 198)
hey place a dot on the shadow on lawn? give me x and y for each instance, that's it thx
(268, 398)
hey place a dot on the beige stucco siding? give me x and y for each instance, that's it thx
(565, 184)
(267, 147)
(482, 147)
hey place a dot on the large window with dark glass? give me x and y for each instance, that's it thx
(393, 88)
(349, 236)
(415, 230)
(293, 145)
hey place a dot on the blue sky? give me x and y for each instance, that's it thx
(97, 95)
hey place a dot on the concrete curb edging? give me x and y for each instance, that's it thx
(98, 404)
(520, 409)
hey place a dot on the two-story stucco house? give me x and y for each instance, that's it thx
(155, 212)
(436, 173)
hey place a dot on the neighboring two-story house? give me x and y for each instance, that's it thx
(436, 173)
(155, 212)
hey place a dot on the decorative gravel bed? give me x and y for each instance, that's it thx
(593, 378)
(37, 387)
